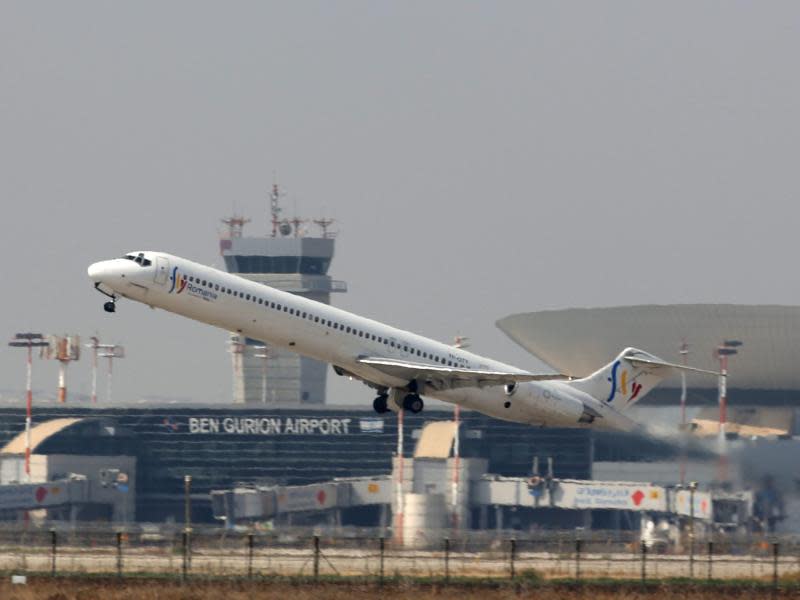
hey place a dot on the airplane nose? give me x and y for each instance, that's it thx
(95, 271)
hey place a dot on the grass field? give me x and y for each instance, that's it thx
(131, 589)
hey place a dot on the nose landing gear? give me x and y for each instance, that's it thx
(110, 306)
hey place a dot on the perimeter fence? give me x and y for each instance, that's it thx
(219, 553)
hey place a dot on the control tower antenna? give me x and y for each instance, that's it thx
(324, 224)
(297, 222)
(235, 225)
(275, 209)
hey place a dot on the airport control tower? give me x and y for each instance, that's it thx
(292, 260)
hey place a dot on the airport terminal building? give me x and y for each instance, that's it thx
(224, 447)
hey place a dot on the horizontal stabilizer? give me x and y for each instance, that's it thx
(661, 363)
(446, 377)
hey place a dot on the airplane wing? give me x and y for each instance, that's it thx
(443, 377)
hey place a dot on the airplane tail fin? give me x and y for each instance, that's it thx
(628, 378)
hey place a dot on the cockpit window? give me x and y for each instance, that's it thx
(138, 259)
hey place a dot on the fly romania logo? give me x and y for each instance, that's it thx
(178, 282)
(619, 383)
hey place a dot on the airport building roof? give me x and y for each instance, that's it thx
(577, 341)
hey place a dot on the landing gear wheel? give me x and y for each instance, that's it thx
(413, 403)
(110, 307)
(381, 404)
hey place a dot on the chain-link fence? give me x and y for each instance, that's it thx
(364, 554)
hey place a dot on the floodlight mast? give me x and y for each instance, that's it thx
(29, 341)
(110, 351)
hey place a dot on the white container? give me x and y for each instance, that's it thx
(424, 520)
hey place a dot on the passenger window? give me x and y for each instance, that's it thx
(348, 330)
(316, 319)
(216, 286)
(391, 344)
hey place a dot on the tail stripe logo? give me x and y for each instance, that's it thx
(636, 387)
(613, 380)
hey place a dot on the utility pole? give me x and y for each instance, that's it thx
(29, 341)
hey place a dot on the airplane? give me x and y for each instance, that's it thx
(399, 365)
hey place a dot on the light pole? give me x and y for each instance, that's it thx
(724, 350)
(93, 346)
(29, 341)
(684, 352)
(692, 490)
(64, 349)
(262, 352)
(110, 351)
(187, 502)
(459, 342)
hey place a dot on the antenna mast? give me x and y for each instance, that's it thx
(324, 224)
(275, 208)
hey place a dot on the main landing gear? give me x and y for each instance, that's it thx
(110, 306)
(411, 402)
(381, 403)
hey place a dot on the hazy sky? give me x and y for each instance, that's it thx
(481, 158)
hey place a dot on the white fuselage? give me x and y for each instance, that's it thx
(336, 336)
